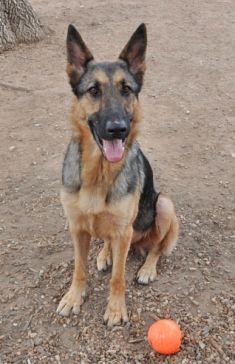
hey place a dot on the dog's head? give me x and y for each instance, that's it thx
(107, 93)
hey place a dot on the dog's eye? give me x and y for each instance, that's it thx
(126, 90)
(94, 91)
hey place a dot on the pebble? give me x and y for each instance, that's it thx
(57, 358)
(194, 301)
(202, 345)
(38, 341)
(13, 147)
(32, 334)
(213, 300)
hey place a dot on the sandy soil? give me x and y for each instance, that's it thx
(188, 135)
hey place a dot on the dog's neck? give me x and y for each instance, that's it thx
(96, 170)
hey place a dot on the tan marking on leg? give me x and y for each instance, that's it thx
(74, 298)
(104, 259)
(162, 239)
(148, 272)
(167, 217)
(116, 310)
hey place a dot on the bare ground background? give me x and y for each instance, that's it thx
(188, 135)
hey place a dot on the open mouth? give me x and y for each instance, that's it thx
(113, 150)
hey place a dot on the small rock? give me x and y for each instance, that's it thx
(213, 300)
(202, 345)
(139, 310)
(13, 147)
(57, 358)
(32, 334)
(194, 301)
(38, 341)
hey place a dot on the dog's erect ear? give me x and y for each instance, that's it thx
(134, 52)
(78, 53)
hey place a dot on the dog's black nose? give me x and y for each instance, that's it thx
(117, 129)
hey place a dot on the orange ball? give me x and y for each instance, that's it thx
(165, 336)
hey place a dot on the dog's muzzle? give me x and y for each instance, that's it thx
(111, 139)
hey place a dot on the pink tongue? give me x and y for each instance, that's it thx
(113, 149)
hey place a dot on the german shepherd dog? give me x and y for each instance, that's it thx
(108, 189)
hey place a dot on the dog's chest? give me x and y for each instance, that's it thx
(90, 210)
(92, 201)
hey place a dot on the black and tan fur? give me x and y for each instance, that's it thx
(116, 202)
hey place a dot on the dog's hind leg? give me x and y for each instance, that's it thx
(104, 258)
(162, 238)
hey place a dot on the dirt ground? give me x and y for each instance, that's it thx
(188, 135)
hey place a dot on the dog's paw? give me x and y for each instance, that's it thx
(116, 312)
(71, 301)
(104, 260)
(146, 274)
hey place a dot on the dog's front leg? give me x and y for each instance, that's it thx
(74, 298)
(116, 310)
